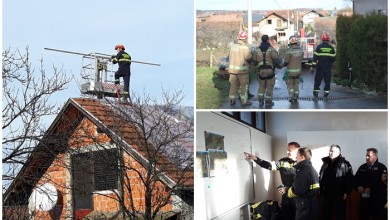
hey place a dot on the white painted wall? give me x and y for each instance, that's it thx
(206, 203)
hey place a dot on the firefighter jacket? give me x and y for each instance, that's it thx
(266, 58)
(370, 177)
(293, 60)
(124, 60)
(336, 177)
(306, 183)
(324, 56)
(285, 167)
(239, 57)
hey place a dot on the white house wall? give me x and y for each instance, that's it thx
(309, 18)
(269, 29)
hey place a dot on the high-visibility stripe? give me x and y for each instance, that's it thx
(325, 54)
(290, 193)
(286, 164)
(294, 70)
(255, 205)
(314, 186)
(243, 68)
(124, 60)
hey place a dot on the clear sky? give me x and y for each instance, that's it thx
(152, 31)
(271, 4)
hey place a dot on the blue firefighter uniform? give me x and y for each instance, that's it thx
(324, 56)
(304, 189)
(124, 61)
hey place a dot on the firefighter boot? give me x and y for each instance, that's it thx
(245, 102)
(124, 98)
(296, 95)
(291, 95)
(269, 102)
(326, 93)
(315, 96)
(261, 99)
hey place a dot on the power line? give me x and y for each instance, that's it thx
(278, 4)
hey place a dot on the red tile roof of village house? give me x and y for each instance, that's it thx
(104, 117)
(108, 117)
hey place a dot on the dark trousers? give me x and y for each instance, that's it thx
(126, 79)
(372, 207)
(333, 206)
(288, 208)
(322, 75)
(307, 208)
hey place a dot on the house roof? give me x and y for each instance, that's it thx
(105, 116)
(283, 14)
(321, 13)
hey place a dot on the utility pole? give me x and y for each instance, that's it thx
(250, 22)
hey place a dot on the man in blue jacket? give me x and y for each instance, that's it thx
(124, 61)
(305, 187)
(323, 57)
(369, 185)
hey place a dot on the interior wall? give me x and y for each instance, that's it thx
(259, 144)
(278, 124)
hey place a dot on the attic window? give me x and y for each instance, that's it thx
(97, 168)
(106, 170)
(269, 21)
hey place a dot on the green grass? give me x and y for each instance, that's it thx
(211, 91)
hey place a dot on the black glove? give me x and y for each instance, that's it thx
(113, 56)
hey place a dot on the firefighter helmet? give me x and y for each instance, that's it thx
(325, 37)
(120, 46)
(293, 40)
(242, 35)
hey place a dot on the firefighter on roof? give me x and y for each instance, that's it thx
(323, 57)
(293, 62)
(124, 60)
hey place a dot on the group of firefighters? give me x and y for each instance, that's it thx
(266, 58)
(333, 184)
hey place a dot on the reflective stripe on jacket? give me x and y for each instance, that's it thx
(294, 60)
(124, 61)
(324, 56)
(306, 182)
(239, 54)
(285, 166)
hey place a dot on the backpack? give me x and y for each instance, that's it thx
(265, 210)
